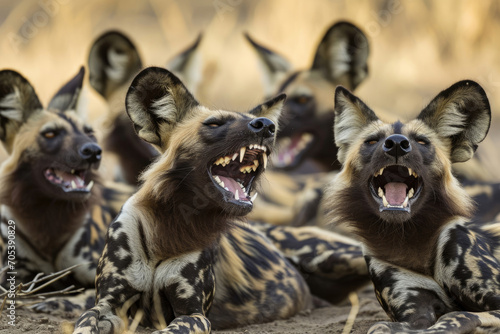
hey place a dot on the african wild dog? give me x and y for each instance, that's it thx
(180, 248)
(305, 140)
(113, 62)
(49, 186)
(431, 267)
(305, 129)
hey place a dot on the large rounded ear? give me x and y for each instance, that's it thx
(342, 55)
(113, 61)
(187, 65)
(351, 116)
(156, 102)
(67, 97)
(273, 66)
(18, 102)
(270, 109)
(462, 115)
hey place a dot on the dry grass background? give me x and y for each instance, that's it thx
(418, 47)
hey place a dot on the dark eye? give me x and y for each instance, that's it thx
(214, 123)
(88, 130)
(50, 134)
(371, 141)
(303, 99)
(422, 141)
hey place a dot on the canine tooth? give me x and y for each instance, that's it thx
(73, 184)
(380, 192)
(90, 185)
(410, 193)
(384, 200)
(237, 195)
(410, 172)
(264, 159)
(405, 203)
(234, 156)
(307, 137)
(381, 171)
(254, 197)
(242, 153)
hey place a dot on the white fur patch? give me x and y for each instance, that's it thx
(118, 65)
(11, 105)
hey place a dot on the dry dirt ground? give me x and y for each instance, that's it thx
(328, 320)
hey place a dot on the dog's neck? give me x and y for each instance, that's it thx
(47, 223)
(175, 225)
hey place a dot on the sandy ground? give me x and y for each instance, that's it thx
(324, 320)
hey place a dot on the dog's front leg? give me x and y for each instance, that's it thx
(412, 300)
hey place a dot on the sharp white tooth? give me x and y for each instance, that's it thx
(216, 178)
(264, 148)
(237, 195)
(72, 171)
(250, 147)
(384, 200)
(226, 188)
(234, 156)
(380, 192)
(222, 184)
(381, 171)
(254, 197)
(405, 203)
(254, 168)
(307, 137)
(410, 172)
(415, 175)
(242, 153)
(256, 163)
(410, 193)
(264, 159)
(73, 184)
(90, 185)
(249, 169)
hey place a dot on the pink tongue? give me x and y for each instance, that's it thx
(232, 185)
(395, 193)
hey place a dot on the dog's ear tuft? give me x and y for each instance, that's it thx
(462, 115)
(67, 97)
(18, 102)
(156, 101)
(351, 116)
(187, 65)
(273, 66)
(270, 109)
(342, 55)
(113, 61)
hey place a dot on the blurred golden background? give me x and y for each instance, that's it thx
(418, 47)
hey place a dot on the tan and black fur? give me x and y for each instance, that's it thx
(49, 186)
(434, 271)
(113, 62)
(305, 142)
(180, 256)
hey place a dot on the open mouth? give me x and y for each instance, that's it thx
(234, 174)
(72, 181)
(395, 188)
(291, 149)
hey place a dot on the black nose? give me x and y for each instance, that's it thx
(262, 126)
(91, 152)
(397, 145)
